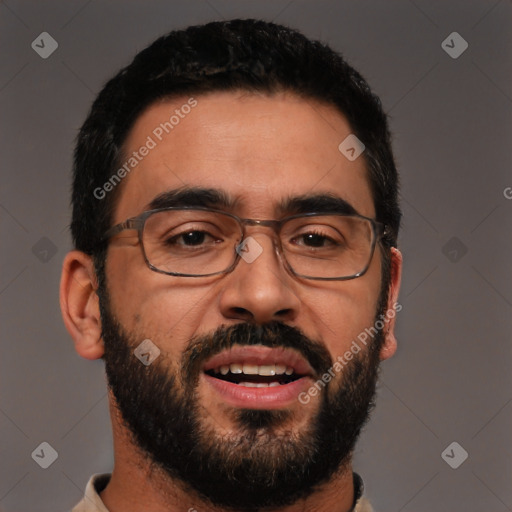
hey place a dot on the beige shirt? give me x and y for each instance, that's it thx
(91, 501)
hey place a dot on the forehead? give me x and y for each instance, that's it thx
(258, 150)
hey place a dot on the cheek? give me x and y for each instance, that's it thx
(150, 305)
(342, 311)
(341, 319)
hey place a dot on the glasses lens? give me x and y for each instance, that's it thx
(328, 246)
(191, 242)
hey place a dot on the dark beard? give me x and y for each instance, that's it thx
(254, 466)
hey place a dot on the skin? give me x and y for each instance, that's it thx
(258, 149)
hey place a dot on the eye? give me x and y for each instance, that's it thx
(314, 240)
(192, 238)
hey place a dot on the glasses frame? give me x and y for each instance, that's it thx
(379, 230)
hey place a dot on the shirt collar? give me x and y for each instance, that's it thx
(97, 483)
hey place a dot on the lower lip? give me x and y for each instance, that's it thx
(275, 397)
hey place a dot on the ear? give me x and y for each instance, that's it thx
(79, 304)
(393, 307)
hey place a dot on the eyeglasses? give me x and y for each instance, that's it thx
(201, 242)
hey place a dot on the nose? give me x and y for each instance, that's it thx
(259, 289)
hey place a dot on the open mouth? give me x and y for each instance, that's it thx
(255, 376)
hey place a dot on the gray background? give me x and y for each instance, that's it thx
(451, 118)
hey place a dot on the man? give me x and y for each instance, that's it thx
(235, 220)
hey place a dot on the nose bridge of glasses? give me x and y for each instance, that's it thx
(274, 225)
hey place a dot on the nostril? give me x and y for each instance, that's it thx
(242, 313)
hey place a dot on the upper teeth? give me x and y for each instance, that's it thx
(254, 369)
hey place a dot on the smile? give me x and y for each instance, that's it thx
(255, 376)
(258, 377)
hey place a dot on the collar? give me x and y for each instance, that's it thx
(97, 483)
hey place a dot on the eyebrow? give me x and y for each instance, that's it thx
(307, 203)
(218, 199)
(193, 196)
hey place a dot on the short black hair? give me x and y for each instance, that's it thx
(249, 55)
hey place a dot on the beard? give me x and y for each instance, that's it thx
(261, 463)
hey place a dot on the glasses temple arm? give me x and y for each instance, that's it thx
(134, 223)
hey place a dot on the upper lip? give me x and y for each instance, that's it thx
(260, 355)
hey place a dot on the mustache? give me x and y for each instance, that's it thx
(273, 334)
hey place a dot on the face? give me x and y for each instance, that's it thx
(233, 443)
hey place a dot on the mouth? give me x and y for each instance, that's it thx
(258, 377)
(255, 376)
